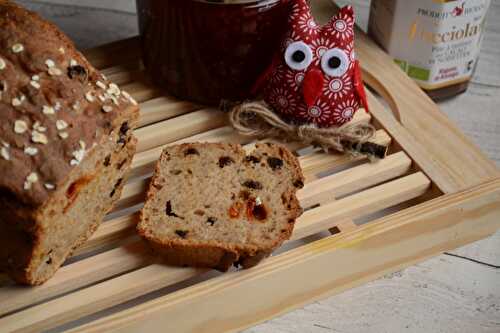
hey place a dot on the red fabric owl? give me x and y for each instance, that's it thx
(315, 78)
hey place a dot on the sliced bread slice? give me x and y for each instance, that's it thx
(212, 205)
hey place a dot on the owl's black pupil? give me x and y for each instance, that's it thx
(334, 62)
(298, 56)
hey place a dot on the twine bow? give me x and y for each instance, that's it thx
(257, 119)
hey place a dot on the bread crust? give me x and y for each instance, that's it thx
(215, 254)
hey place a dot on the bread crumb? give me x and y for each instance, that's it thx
(17, 48)
(54, 71)
(30, 180)
(113, 90)
(20, 126)
(50, 63)
(48, 110)
(17, 101)
(4, 152)
(107, 108)
(2, 64)
(61, 124)
(89, 97)
(35, 84)
(38, 127)
(130, 98)
(38, 137)
(31, 151)
(78, 154)
(101, 85)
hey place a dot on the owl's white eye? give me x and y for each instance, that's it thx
(298, 56)
(335, 62)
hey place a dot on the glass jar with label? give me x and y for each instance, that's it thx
(436, 42)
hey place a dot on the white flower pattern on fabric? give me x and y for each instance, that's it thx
(294, 79)
(294, 37)
(282, 100)
(278, 74)
(319, 113)
(342, 27)
(320, 45)
(345, 110)
(349, 49)
(295, 13)
(338, 87)
(307, 26)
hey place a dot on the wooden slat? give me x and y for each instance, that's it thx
(4, 280)
(110, 234)
(325, 189)
(367, 202)
(114, 54)
(177, 128)
(337, 263)
(316, 163)
(142, 91)
(125, 73)
(106, 294)
(163, 108)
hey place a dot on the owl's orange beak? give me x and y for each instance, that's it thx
(312, 86)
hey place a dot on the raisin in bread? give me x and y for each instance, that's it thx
(211, 205)
(65, 145)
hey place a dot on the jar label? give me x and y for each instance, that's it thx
(436, 42)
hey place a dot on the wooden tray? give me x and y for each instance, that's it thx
(441, 190)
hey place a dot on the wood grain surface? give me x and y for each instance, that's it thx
(444, 294)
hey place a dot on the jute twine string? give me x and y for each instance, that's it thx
(257, 119)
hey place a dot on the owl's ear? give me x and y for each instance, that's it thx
(301, 8)
(346, 14)
(347, 10)
(301, 11)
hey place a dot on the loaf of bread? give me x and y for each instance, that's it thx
(212, 205)
(65, 145)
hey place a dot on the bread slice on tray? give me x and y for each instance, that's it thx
(212, 205)
(66, 144)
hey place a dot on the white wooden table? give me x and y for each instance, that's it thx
(444, 294)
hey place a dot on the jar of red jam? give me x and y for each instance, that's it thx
(208, 51)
